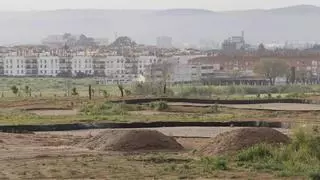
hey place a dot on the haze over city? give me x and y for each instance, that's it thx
(18, 5)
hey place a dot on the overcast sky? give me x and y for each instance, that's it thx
(215, 5)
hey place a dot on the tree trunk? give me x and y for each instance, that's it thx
(165, 88)
(90, 91)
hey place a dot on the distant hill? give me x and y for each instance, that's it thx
(183, 25)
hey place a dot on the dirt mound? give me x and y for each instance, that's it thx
(131, 140)
(230, 142)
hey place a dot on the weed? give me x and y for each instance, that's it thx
(210, 164)
(260, 151)
(159, 105)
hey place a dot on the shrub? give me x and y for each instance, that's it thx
(260, 151)
(210, 164)
(74, 92)
(299, 158)
(314, 176)
(14, 90)
(105, 93)
(154, 89)
(159, 105)
(106, 108)
(127, 92)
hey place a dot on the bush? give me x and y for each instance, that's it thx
(211, 164)
(260, 151)
(159, 105)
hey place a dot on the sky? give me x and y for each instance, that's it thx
(215, 5)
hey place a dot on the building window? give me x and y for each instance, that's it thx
(45, 66)
(45, 72)
(41, 66)
(41, 72)
(21, 71)
(18, 66)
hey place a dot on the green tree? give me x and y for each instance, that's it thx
(271, 69)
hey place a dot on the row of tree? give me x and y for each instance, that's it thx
(276, 68)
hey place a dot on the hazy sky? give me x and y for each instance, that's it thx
(216, 5)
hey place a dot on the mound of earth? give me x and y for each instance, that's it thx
(233, 141)
(131, 140)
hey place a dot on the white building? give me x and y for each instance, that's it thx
(14, 66)
(145, 61)
(185, 73)
(82, 64)
(48, 65)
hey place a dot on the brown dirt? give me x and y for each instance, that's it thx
(230, 142)
(131, 140)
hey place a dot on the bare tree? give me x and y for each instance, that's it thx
(271, 69)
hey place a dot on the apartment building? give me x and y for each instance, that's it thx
(48, 65)
(110, 69)
(82, 65)
(14, 66)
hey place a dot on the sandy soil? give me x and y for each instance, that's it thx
(54, 155)
(278, 106)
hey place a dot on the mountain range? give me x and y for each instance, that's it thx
(295, 23)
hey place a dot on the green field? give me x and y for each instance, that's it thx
(50, 87)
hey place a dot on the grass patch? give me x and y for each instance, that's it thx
(299, 158)
(210, 164)
(107, 108)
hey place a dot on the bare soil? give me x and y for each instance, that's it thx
(131, 140)
(53, 155)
